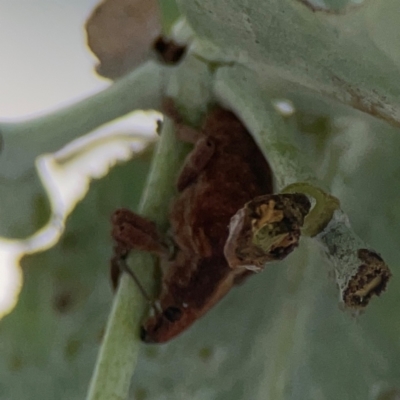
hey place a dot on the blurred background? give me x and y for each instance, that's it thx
(49, 342)
(45, 62)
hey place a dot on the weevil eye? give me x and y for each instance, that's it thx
(172, 314)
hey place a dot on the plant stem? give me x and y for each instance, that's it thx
(119, 351)
(360, 272)
(24, 141)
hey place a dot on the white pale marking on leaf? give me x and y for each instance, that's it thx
(284, 107)
(11, 275)
(66, 176)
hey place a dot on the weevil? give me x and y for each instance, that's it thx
(221, 175)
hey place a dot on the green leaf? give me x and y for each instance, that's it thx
(332, 55)
(50, 341)
(23, 142)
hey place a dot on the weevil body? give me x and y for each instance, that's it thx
(224, 171)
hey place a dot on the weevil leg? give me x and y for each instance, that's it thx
(131, 231)
(184, 132)
(202, 152)
(118, 266)
(195, 162)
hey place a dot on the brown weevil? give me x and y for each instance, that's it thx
(222, 174)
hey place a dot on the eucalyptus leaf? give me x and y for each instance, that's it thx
(334, 55)
(24, 141)
(50, 341)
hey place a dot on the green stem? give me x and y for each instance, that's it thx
(119, 351)
(239, 89)
(321, 213)
(24, 141)
(360, 272)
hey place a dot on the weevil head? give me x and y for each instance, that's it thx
(167, 324)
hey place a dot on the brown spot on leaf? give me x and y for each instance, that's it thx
(121, 34)
(16, 363)
(141, 394)
(63, 301)
(151, 352)
(101, 333)
(72, 348)
(205, 353)
(70, 240)
(389, 394)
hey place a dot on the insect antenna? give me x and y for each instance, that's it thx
(125, 268)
